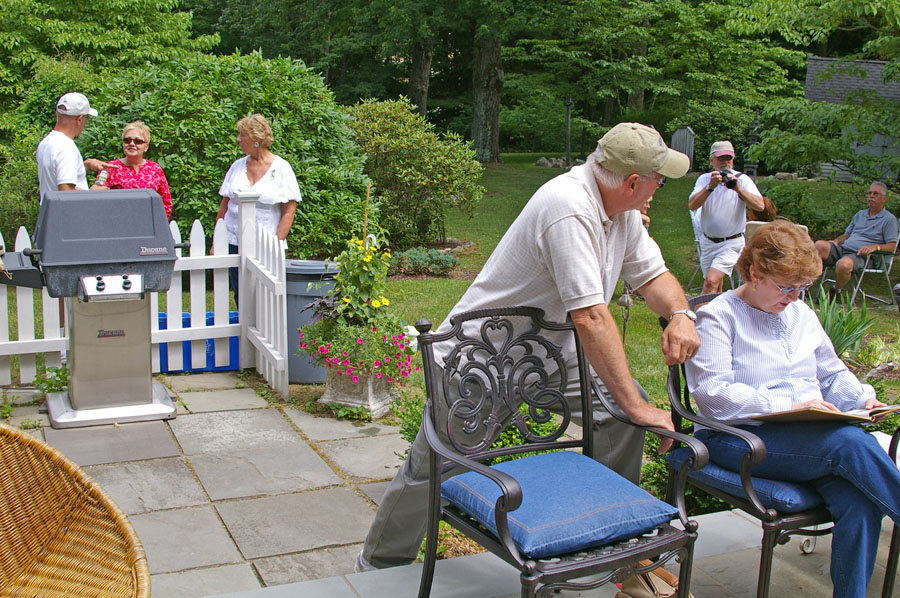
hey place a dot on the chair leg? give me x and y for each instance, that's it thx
(890, 570)
(431, 541)
(684, 573)
(765, 562)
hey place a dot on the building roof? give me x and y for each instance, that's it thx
(835, 88)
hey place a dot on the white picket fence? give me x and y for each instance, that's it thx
(262, 327)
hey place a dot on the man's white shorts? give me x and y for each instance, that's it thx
(721, 256)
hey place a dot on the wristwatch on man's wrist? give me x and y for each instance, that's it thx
(710, 189)
(689, 313)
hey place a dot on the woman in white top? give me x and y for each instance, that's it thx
(762, 351)
(263, 172)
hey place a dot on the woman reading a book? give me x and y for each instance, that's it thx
(762, 351)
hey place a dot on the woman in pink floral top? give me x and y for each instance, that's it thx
(136, 172)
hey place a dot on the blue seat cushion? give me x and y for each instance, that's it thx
(784, 497)
(569, 502)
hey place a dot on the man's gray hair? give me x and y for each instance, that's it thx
(607, 177)
(884, 187)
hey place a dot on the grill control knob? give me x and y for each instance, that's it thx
(100, 285)
(126, 284)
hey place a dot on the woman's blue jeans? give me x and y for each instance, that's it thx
(855, 476)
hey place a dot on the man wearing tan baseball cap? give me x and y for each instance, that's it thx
(577, 235)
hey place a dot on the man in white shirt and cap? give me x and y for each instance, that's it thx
(60, 165)
(724, 194)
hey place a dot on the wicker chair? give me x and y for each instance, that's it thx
(60, 534)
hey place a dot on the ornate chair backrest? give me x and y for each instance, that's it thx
(499, 369)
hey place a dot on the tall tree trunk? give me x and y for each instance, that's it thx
(420, 73)
(636, 97)
(487, 84)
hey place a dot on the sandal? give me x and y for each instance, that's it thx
(658, 583)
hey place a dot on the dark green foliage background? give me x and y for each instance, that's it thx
(191, 106)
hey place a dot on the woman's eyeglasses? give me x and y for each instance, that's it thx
(134, 140)
(788, 290)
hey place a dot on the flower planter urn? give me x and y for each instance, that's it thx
(371, 393)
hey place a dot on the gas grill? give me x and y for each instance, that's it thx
(104, 251)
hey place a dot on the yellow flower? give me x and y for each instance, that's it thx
(345, 299)
(367, 257)
(376, 303)
(385, 301)
(387, 255)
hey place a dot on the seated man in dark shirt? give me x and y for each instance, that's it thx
(873, 229)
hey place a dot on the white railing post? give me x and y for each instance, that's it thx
(246, 295)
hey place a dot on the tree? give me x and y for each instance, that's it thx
(798, 133)
(98, 33)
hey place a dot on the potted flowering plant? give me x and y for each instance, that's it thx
(363, 346)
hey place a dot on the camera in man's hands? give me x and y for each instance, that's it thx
(731, 183)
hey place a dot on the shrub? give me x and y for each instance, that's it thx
(420, 260)
(191, 106)
(654, 474)
(826, 215)
(418, 174)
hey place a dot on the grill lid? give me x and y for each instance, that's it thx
(91, 233)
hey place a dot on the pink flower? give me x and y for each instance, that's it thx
(346, 362)
(378, 375)
(389, 379)
(376, 364)
(302, 345)
(340, 373)
(344, 353)
(349, 371)
(323, 349)
(301, 334)
(374, 328)
(359, 341)
(356, 378)
(387, 359)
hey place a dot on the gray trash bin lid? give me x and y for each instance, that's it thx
(313, 269)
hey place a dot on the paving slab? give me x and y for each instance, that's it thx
(296, 522)
(329, 428)
(94, 445)
(183, 539)
(29, 414)
(375, 490)
(366, 458)
(262, 471)
(481, 575)
(143, 486)
(306, 566)
(223, 400)
(334, 587)
(204, 582)
(232, 431)
(203, 381)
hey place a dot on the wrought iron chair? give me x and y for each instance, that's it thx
(784, 509)
(555, 514)
(877, 262)
(60, 534)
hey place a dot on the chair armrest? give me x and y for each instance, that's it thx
(511, 497)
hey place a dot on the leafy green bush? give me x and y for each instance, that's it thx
(420, 260)
(845, 326)
(418, 174)
(826, 214)
(191, 106)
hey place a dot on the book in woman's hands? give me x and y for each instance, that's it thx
(808, 414)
